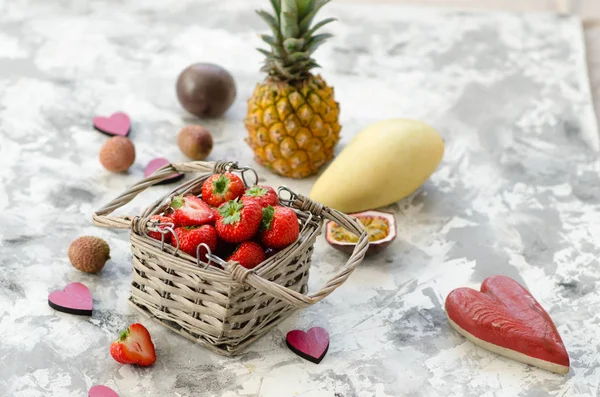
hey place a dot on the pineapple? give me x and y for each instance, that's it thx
(292, 117)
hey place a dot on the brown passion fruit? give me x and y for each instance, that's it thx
(381, 227)
(205, 90)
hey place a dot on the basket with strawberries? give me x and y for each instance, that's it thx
(221, 261)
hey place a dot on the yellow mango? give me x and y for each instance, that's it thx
(382, 164)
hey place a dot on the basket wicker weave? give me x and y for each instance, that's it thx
(224, 309)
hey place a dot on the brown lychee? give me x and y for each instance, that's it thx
(117, 154)
(89, 254)
(195, 142)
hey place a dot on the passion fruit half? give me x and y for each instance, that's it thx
(381, 227)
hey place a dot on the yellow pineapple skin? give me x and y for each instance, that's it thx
(293, 130)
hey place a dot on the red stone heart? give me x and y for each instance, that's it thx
(102, 391)
(74, 299)
(507, 320)
(311, 345)
(117, 124)
(156, 164)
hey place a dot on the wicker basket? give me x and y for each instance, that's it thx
(224, 308)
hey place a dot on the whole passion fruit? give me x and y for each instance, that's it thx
(381, 228)
(205, 90)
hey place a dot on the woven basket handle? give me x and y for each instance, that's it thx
(298, 299)
(103, 218)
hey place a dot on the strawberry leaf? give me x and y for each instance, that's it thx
(267, 217)
(231, 212)
(256, 191)
(221, 185)
(177, 202)
(124, 335)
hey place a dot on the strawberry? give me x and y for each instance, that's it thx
(191, 211)
(191, 237)
(264, 195)
(248, 254)
(238, 221)
(279, 227)
(134, 346)
(220, 188)
(162, 219)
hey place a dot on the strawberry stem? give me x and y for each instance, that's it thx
(256, 191)
(221, 185)
(177, 202)
(124, 335)
(231, 211)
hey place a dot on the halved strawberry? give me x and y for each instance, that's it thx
(134, 346)
(263, 195)
(191, 211)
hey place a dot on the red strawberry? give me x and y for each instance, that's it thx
(162, 219)
(264, 195)
(191, 211)
(279, 227)
(238, 221)
(248, 254)
(220, 188)
(134, 346)
(191, 237)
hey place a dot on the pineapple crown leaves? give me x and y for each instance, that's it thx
(267, 217)
(293, 38)
(231, 212)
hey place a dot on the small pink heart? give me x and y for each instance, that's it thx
(117, 124)
(157, 163)
(311, 345)
(76, 298)
(102, 391)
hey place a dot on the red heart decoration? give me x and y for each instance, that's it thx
(74, 299)
(102, 391)
(311, 345)
(157, 163)
(506, 319)
(118, 124)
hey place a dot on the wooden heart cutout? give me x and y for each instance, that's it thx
(157, 163)
(506, 319)
(311, 345)
(74, 299)
(118, 124)
(102, 391)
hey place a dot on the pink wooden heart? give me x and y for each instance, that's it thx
(505, 318)
(102, 391)
(157, 163)
(311, 345)
(74, 299)
(118, 124)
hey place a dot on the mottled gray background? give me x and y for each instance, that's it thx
(517, 194)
